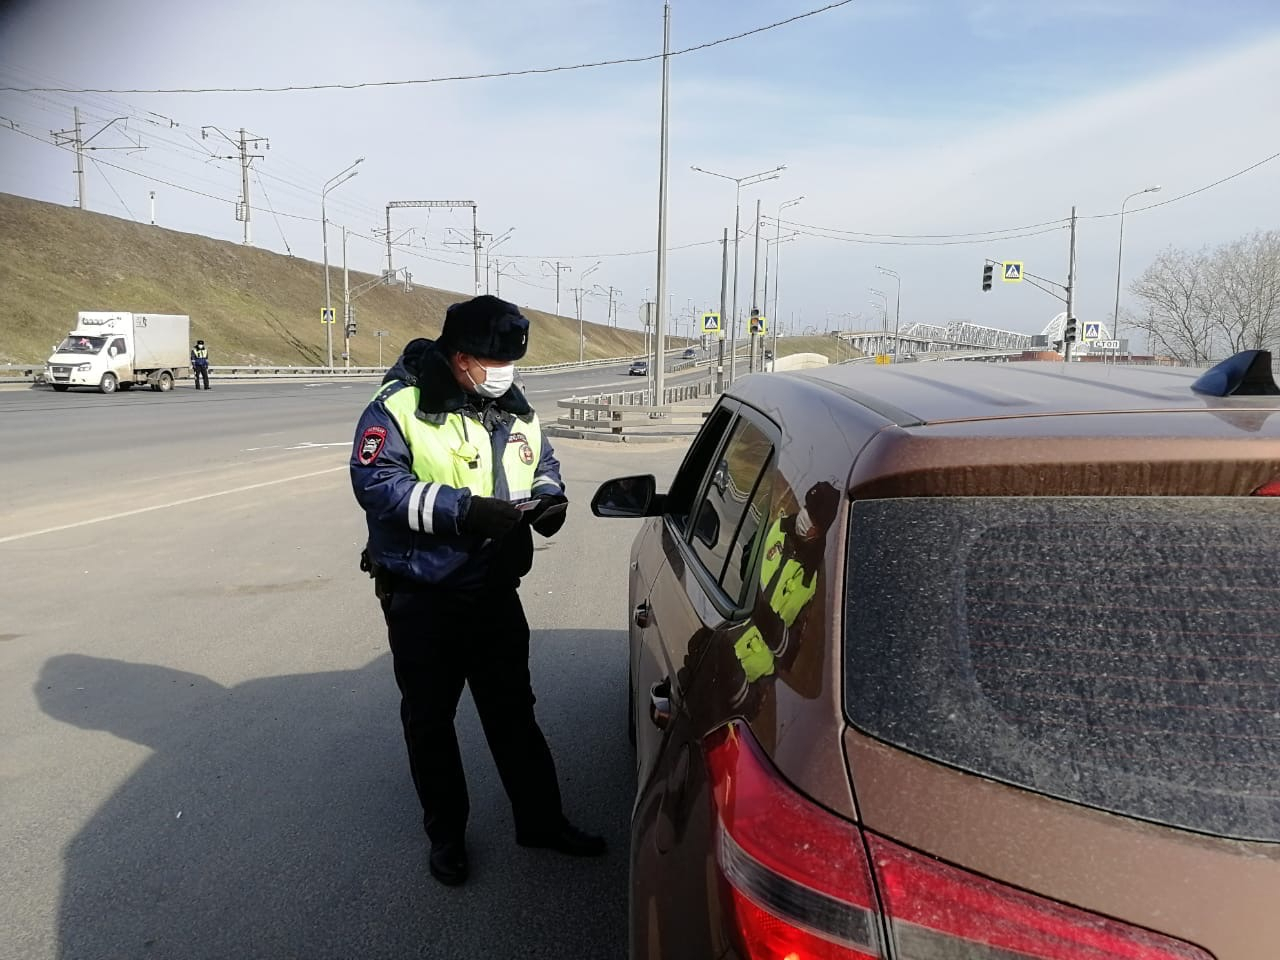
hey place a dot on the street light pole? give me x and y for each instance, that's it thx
(580, 293)
(885, 310)
(750, 180)
(777, 244)
(897, 310)
(331, 184)
(1115, 317)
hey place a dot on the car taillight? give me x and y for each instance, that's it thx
(799, 882)
(1271, 489)
(800, 887)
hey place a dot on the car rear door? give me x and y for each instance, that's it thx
(709, 532)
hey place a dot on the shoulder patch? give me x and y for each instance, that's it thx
(370, 445)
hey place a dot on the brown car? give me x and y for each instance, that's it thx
(962, 661)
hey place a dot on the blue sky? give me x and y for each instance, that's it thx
(912, 117)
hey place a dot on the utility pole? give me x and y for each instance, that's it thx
(755, 290)
(80, 199)
(1071, 291)
(243, 145)
(346, 305)
(153, 208)
(475, 241)
(390, 268)
(724, 292)
(660, 334)
(557, 269)
(79, 144)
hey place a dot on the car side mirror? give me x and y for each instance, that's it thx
(111, 352)
(628, 497)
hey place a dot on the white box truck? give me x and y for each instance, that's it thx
(110, 351)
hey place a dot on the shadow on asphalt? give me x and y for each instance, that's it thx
(276, 819)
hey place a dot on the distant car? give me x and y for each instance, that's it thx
(690, 354)
(976, 662)
(639, 368)
(768, 354)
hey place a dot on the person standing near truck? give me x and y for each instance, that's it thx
(200, 364)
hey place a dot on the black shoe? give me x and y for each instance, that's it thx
(566, 839)
(449, 863)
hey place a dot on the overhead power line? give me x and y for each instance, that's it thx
(1192, 193)
(987, 236)
(530, 71)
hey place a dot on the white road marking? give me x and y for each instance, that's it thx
(172, 503)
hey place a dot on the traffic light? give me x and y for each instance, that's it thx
(1069, 330)
(986, 277)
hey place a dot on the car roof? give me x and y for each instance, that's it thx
(919, 394)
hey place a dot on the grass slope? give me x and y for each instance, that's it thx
(249, 305)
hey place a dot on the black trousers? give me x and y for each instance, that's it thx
(439, 641)
(201, 373)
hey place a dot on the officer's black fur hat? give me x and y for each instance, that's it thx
(823, 503)
(487, 328)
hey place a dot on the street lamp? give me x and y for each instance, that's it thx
(777, 243)
(581, 292)
(331, 184)
(750, 180)
(897, 310)
(883, 308)
(1115, 319)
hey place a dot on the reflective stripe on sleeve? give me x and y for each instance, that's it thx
(428, 508)
(545, 482)
(415, 505)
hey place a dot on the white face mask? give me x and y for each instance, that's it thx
(803, 524)
(497, 380)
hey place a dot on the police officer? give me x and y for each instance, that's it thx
(453, 473)
(200, 363)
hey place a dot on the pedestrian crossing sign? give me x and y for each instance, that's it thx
(1012, 271)
(1092, 331)
(760, 325)
(711, 323)
(326, 315)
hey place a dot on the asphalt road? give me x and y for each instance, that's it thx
(200, 752)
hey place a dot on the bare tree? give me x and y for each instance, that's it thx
(1244, 300)
(1200, 306)
(1172, 291)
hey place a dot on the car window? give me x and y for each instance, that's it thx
(118, 345)
(729, 513)
(1122, 653)
(691, 473)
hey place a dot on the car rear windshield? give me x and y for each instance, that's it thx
(1122, 653)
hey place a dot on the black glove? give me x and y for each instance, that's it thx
(491, 518)
(543, 518)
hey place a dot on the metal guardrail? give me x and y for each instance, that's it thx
(614, 412)
(26, 372)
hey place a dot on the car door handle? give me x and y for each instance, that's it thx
(642, 616)
(660, 704)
